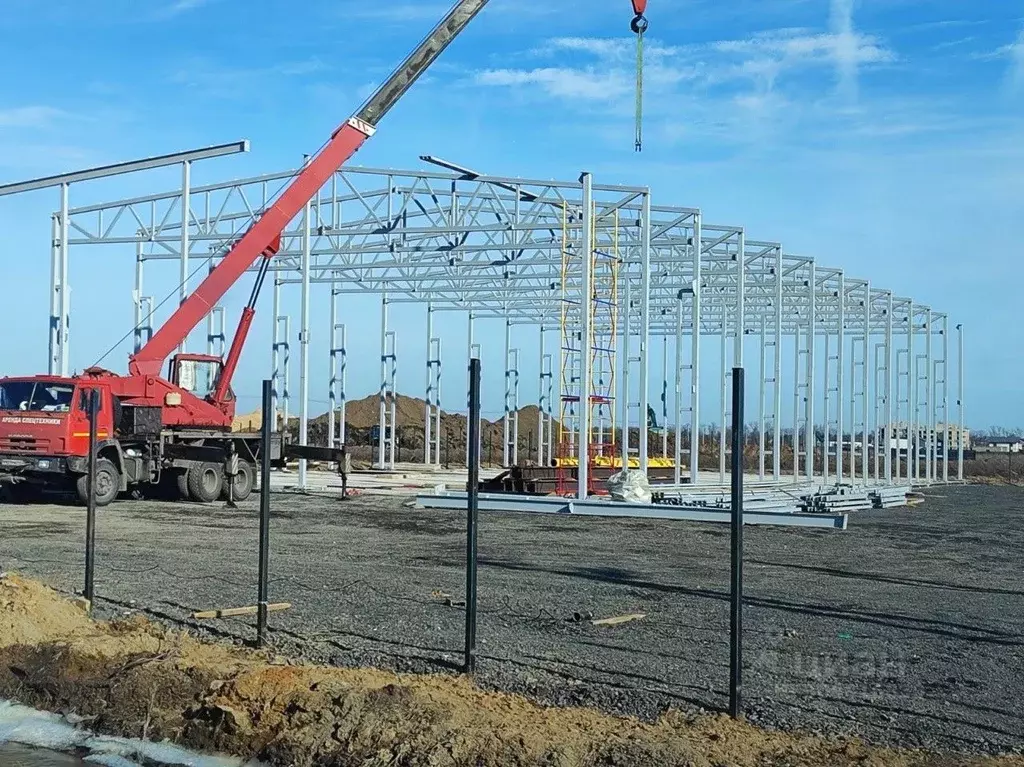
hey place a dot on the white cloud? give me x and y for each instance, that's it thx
(35, 116)
(845, 48)
(1017, 60)
(768, 54)
(397, 13)
(182, 6)
(1014, 54)
(216, 79)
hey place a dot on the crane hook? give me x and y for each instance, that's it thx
(639, 24)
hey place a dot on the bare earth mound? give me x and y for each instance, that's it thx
(136, 678)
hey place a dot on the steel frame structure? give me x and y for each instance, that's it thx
(866, 366)
(60, 288)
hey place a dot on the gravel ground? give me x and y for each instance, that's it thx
(907, 629)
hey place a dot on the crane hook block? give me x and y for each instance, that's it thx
(639, 7)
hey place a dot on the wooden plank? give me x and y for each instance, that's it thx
(618, 619)
(234, 612)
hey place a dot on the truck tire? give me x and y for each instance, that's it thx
(243, 484)
(108, 483)
(205, 482)
(181, 480)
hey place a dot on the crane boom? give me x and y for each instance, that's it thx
(344, 143)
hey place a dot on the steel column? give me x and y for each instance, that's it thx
(65, 287)
(960, 401)
(645, 324)
(826, 413)
(889, 377)
(339, 364)
(865, 380)
(723, 391)
(678, 399)
(695, 320)
(53, 364)
(626, 351)
(664, 397)
(544, 393)
(840, 379)
(912, 449)
(510, 427)
(382, 437)
(304, 330)
(762, 375)
(944, 399)
(586, 329)
(275, 373)
(812, 324)
(777, 435)
(428, 394)
(185, 244)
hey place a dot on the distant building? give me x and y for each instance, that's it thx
(999, 445)
(947, 436)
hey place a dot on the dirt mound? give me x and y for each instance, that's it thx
(30, 613)
(250, 422)
(133, 678)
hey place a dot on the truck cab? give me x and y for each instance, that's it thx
(44, 427)
(199, 375)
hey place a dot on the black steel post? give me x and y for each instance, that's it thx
(266, 436)
(736, 612)
(90, 512)
(472, 490)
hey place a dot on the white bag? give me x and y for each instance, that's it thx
(629, 486)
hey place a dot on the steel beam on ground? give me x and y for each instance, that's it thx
(592, 508)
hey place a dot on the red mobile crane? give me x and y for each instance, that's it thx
(166, 431)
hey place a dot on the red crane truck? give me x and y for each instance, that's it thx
(175, 432)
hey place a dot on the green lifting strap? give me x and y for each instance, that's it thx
(640, 90)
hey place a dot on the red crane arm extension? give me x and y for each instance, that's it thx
(231, 363)
(149, 360)
(639, 7)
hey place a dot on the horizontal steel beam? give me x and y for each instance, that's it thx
(132, 166)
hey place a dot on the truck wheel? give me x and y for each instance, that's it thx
(243, 484)
(181, 480)
(205, 482)
(108, 483)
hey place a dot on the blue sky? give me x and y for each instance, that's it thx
(880, 136)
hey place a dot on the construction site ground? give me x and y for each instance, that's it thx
(907, 629)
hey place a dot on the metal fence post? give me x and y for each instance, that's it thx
(90, 513)
(264, 553)
(472, 490)
(736, 612)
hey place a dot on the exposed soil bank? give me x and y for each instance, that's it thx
(135, 678)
